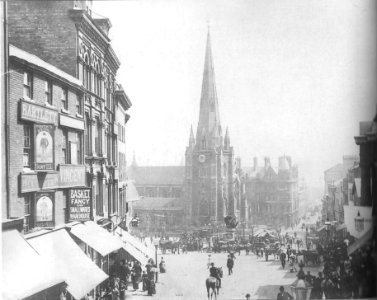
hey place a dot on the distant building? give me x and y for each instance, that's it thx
(273, 195)
(161, 207)
(209, 186)
(212, 187)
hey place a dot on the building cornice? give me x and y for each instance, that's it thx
(85, 24)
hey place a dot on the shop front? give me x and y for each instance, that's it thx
(65, 258)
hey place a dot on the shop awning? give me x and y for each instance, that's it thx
(360, 242)
(97, 238)
(135, 253)
(66, 258)
(25, 272)
(321, 228)
(129, 238)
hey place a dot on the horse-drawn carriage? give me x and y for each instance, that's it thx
(166, 244)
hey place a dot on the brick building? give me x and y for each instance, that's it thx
(45, 140)
(272, 195)
(68, 36)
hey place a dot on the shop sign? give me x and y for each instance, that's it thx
(33, 182)
(71, 122)
(80, 204)
(72, 175)
(44, 147)
(44, 208)
(38, 114)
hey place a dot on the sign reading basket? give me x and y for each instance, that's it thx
(79, 204)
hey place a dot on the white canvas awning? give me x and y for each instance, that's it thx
(97, 237)
(25, 272)
(129, 238)
(65, 257)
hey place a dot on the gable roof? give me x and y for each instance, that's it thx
(155, 203)
(160, 175)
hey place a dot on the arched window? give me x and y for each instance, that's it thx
(204, 143)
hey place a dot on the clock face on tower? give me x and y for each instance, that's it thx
(202, 158)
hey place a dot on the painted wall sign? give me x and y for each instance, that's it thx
(44, 147)
(72, 175)
(71, 122)
(32, 183)
(44, 209)
(38, 114)
(80, 204)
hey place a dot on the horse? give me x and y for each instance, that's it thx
(214, 284)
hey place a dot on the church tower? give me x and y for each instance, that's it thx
(209, 157)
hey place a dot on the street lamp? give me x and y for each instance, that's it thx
(155, 242)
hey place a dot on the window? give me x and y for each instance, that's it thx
(87, 133)
(28, 85)
(79, 104)
(86, 77)
(27, 146)
(28, 200)
(48, 91)
(79, 147)
(97, 140)
(64, 98)
(65, 147)
(204, 144)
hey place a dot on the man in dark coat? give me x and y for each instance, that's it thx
(213, 272)
(230, 264)
(282, 295)
(283, 259)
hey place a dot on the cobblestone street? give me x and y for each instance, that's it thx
(186, 275)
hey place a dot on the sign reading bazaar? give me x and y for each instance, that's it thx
(79, 204)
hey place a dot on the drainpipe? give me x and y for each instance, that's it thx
(6, 96)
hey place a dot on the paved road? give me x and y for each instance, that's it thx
(186, 274)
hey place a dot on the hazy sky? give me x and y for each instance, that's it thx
(293, 77)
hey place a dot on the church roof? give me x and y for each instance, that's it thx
(155, 203)
(157, 175)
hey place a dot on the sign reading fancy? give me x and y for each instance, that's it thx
(79, 204)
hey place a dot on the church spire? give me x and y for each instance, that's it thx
(209, 117)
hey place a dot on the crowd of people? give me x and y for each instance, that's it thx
(123, 274)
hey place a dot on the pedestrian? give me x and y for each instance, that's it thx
(230, 264)
(266, 254)
(282, 259)
(134, 280)
(209, 261)
(282, 295)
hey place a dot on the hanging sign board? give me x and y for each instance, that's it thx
(44, 209)
(44, 147)
(80, 204)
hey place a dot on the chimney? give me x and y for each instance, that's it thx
(255, 159)
(266, 162)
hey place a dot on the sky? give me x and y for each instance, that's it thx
(293, 77)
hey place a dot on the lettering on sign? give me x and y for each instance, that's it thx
(72, 175)
(31, 182)
(80, 203)
(38, 114)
